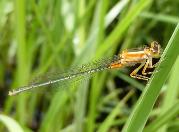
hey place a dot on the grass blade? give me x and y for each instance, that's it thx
(165, 117)
(139, 116)
(10, 124)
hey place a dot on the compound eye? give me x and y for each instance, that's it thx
(155, 47)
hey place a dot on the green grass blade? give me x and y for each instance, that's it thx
(139, 116)
(171, 94)
(106, 125)
(117, 33)
(11, 124)
(22, 65)
(164, 118)
(161, 17)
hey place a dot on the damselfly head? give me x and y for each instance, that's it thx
(155, 49)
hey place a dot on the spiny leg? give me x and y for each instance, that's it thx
(135, 75)
(151, 65)
(148, 64)
(145, 67)
(155, 65)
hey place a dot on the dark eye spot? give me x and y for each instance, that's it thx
(155, 47)
(155, 43)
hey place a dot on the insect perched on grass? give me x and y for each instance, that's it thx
(127, 58)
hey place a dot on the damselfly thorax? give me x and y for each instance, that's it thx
(144, 57)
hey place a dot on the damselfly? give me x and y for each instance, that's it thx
(126, 58)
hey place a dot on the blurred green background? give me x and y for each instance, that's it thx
(38, 36)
